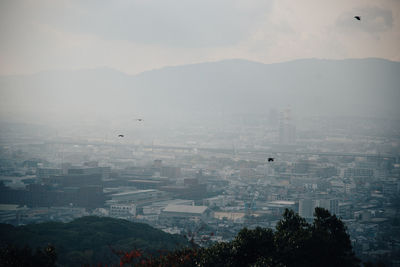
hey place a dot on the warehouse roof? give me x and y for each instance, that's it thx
(186, 209)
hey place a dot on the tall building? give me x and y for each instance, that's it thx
(332, 205)
(306, 208)
(287, 130)
(273, 118)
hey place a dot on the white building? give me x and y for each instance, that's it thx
(332, 205)
(218, 201)
(277, 207)
(307, 206)
(123, 211)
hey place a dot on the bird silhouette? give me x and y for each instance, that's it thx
(120, 135)
(270, 159)
(357, 17)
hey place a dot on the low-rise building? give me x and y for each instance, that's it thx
(187, 212)
(123, 211)
(138, 196)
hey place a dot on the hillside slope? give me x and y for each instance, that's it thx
(88, 239)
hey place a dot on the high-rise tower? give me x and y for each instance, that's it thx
(287, 130)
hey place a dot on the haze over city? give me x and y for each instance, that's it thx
(199, 118)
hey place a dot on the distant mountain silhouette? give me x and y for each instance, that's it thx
(352, 87)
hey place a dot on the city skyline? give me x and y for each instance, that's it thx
(228, 122)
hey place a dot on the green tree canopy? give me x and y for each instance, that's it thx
(295, 242)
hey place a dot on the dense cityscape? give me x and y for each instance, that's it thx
(208, 180)
(245, 133)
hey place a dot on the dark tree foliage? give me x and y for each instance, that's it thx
(377, 264)
(294, 243)
(291, 239)
(87, 240)
(12, 256)
(330, 241)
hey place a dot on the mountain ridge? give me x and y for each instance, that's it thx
(111, 69)
(353, 87)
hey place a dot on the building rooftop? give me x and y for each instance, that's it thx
(145, 181)
(135, 192)
(282, 202)
(186, 209)
(11, 207)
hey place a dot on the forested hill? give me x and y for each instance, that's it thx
(90, 239)
(294, 242)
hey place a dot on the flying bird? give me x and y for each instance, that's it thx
(120, 135)
(357, 17)
(270, 159)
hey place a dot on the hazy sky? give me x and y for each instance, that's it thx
(137, 35)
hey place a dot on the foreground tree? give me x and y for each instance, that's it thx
(12, 256)
(294, 243)
(330, 241)
(292, 240)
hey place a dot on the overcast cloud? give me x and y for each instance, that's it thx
(139, 35)
(375, 19)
